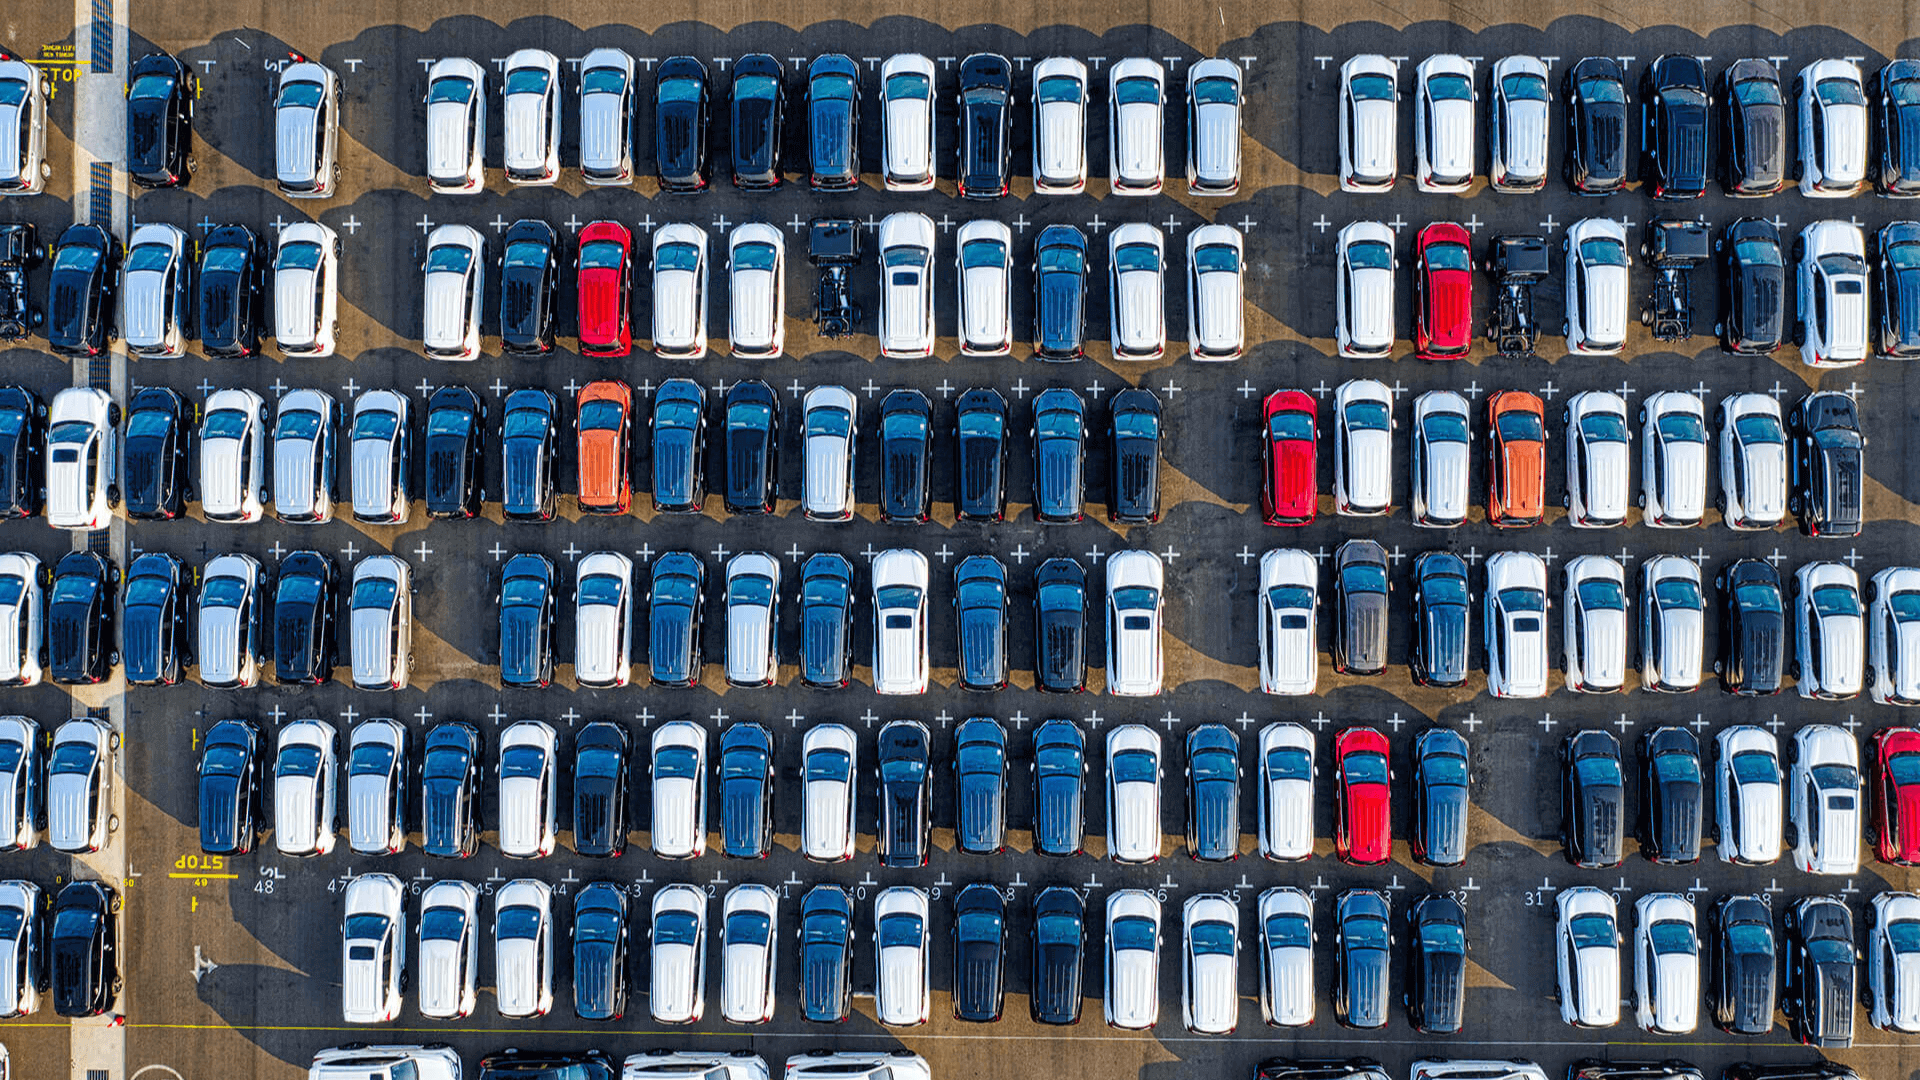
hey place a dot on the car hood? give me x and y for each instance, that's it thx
(446, 310)
(1368, 826)
(676, 312)
(748, 635)
(372, 464)
(1216, 153)
(1760, 813)
(440, 988)
(1215, 1004)
(1450, 146)
(1136, 143)
(1369, 486)
(447, 146)
(1686, 489)
(745, 997)
(597, 650)
(1134, 1000)
(1766, 481)
(1605, 661)
(1446, 481)
(601, 125)
(1290, 818)
(1374, 156)
(1136, 822)
(1446, 814)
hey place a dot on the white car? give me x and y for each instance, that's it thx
(523, 948)
(1831, 104)
(1673, 620)
(1136, 90)
(380, 623)
(306, 289)
(1830, 295)
(749, 953)
(23, 119)
(906, 285)
(607, 106)
(231, 615)
(306, 131)
(1136, 291)
(1753, 462)
(154, 293)
(1516, 625)
(1666, 964)
(832, 428)
(1363, 448)
(377, 774)
(680, 291)
(1289, 615)
(373, 948)
(858, 1065)
(1136, 586)
(1369, 124)
(1893, 636)
(902, 983)
(1132, 968)
(1213, 127)
(1587, 940)
(1824, 801)
(900, 622)
(1893, 963)
(697, 1065)
(378, 458)
(829, 756)
(677, 942)
(757, 290)
(1059, 126)
(1210, 965)
(358, 1061)
(456, 126)
(80, 773)
(1673, 460)
(1594, 634)
(1133, 794)
(679, 759)
(1747, 795)
(305, 813)
(1216, 293)
(1286, 957)
(83, 459)
(305, 431)
(20, 772)
(531, 115)
(1598, 451)
(21, 965)
(455, 275)
(233, 457)
(1596, 287)
(528, 768)
(906, 132)
(449, 949)
(1442, 456)
(753, 619)
(603, 620)
(1518, 125)
(22, 606)
(1443, 115)
(1830, 645)
(983, 271)
(1363, 291)
(1286, 792)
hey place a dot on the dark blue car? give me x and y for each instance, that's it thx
(450, 791)
(529, 439)
(826, 621)
(1896, 93)
(1364, 958)
(229, 788)
(1440, 797)
(679, 447)
(600, 790)
(1898, 252)
(600, 952)
(980, 608)
(986, 125)
(1134, 497)
(759, 122)
(980, 450)
(1059, 788)
(1059, 456)
(905, 769)
(155, 447)
(527, 607)
(680, 118)
(1213, 793)
(1060, 293)
(80, 618)
(676, 612)
(826, 954)
(153, 620)
(979, 953)
(746, 792)
(1059, 953)
(980, 785)
(906, 458)
(833, 123)
(1060, 626)
(1439, 619)
(752, 447)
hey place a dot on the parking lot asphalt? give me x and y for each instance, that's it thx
(233, 966)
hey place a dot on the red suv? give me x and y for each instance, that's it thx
(605, 265)
(1290, 423)
(1365, 832)
(1443, 292)
(1896, 795)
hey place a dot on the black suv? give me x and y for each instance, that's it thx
(529, 281)
(1897, 251)
(906, 458)
(156, 454)
(1593, 799)
(759, 122)
(528, 602)
(1674, 88)
(80, 619)
(1753, 628)
(680, 118)
(1753, 154)
(456, 445)
(906, 789)
(230, 788)
(1134, 497)
(86, 264)
(233, 288)
(1596, 96)
(160, 92)
(529, 447)
(986, 125)
(23, 478)
(1753, 289)
(306, 605)
(154, 620)
(833, 123)
(84, 953)
(450, 791)
(1826, 464)
(1896, 94)
(1818, 993)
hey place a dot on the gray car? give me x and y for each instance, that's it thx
(1360, 591)
(303, 454)
(378, 452)
(306, 124)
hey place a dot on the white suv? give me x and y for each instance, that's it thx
(532, 117)
(902, 959)
(677, 943)
(1132, 968)
(305, 814)
(1598, 450)
(906, 285)
(373, 946)
(1363, 291)
(528, 771)
(449, 949)
(1830, 647)
(1830, 301)
(1136, 585)
(306, 289)
(900, 622)
(1136, 292)
(757, 290)
(829, 758)
(680, 291)
(603, 620)
(523, 948)
(1893, 637)
(1825, 798)
(1587, 941)
(1666, 964)
(1673, 460)
(1133, 794)
(1596, 287)
(233, 457)
(679, 760)
(455, 276)
(305, 433)
(83, 459)
(456, 126)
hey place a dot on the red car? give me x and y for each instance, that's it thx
(1443, 292)
(606, 285)
(1896, 795)
(1291, 424)
(1365, 833)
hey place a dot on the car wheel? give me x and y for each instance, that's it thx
(113, 741)
(113, 495)
(113, 659)
(113, 575)
(113, 415)
(1870, 675)
(1716, 667)
(1790, 834)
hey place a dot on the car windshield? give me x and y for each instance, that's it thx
(1368, 416)
(1057, 424)
(525, 423)
(1212, 938)
(1444, 770)
(598, 761)
(1365, 767)
(1682, 427)
(1215, 91)
(1604, 427)
(149, 258)
(1758, 598)
(1524, 87)
(1839, 92)
(601, 255)
(979, 926)
(680, 89)
(374, 592)
(829, 421)
(1289, 932)
(1057, 930)
(903, 769)
(301, 94)
(909, 85)
(1602, 594)
(1836, 600)
(1136, 425)
(983, 253)
(224, 591)
(833, 87)
(754, 256)
(1599, 770)
(1134, 767)
(1443, 937)
(900, 931)
(1214, 765)
(1136, 257)
(144, 88)
(449, 259)
(224, 260)
(755, 87)
(1216, 258)
(370, 759)
(1747, 938)
(366, 925)
(1836, 778)
(676, 256)
(1289, 764)
(1904, 769)
(676, 763)
(1445, 589)
(754, 589)
(298, 760)
(748, 928)
(524, 255)
(298, 256)
(1903, 935)
(1757, 252)
(1675, 592)
(1904, 256)
(523, 591)
(220, 424)
(1364, 577)
(379, 424)
(1449, 87)
(528, 80)
(897, 596)
(1370, 255)
(1135, 598)
(297, 424)
(1757, 92)
(1905, 606)
(1677, 766)
(520, 921)
(743, 763)
(602, 415)
(1052, 89)
(1521, 425)
(1290, 427)
(1603, 91)
(824, 928)
(1603, 251)
(79, 258)
(749, 416)
(605, 589)
(978, 758)
(450, 88)
(445, 763)
(1755, 767)
(832, 765)
(979, 423)
(1132, 933)
(147, 592)
(603, 80)
(1672, 936)
(1448, 257)
(523, 763)
(1364, 932)
(1843, 264)
(1445, 427)
(1521, 598)
(1371, 86)
(1136, 92)
(1591, 932)
(1062, 257)
(1284, 597)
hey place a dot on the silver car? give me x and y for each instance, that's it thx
(757, 290)
(377, 771)
(1363, 290)
(1289, 601)
(1830, 295)
(304, 434)
(1136, 291)
(23, 127)
(1673, 619)
(1213, 127)
(1286, 957)
(906, 132)
(1824, 801)
(679, 757)
(1893, 637)
(373, 949)
(1594, 636)
(715, 1065)
(1136, 92)
(22, 607)
(20, 772)
(1216, 293)
(607, 105)
(902, 985)
(1831, 103)
(21, 964)
(832, 428)
(1369, 124)
(1363, 448)
(1747, 795)
(1443, 116)
(1666, 964)
(454, 280)
(1210, 964)
(449, 949)
(900, 622)
(828, 759)
(523, 948)
(154, 293)
(1442, 456)
(1518, 125)
(753, 619)
(230, 613)
(233, 457)
(1136, 590)
(378, 457)
(381, 623)
(858, 1065)
(1753, 462)
(529, 783)
(83, 458)
(80, 785)
(1133, 794)
(1893, 963)
(1286, 792)
(1598, 451)
(1132, 968)
(532, 117)
(677, 943)
(304, 811)
(1059, 126)
(1596, 287)
(456, 126)
(306, 136)
(1673, 460)
(906, 285)
(1516, 625)
(749, 951)
(306, 289)
(680, 291)
(1587, 945)
(1830, 644)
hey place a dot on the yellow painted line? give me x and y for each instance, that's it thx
(194, 876)
(55, 63)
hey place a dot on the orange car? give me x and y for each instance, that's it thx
(1517, 473)
(606, 409)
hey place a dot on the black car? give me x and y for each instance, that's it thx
(1593, 799)
(906, 794)
(1362, 945)
(833, 123)
(156, 454)
(980, 786)
(80, 619)
(529, 450)
(1896, 94)
(759, 122)
(230, 788)
(306, 608)
(600, 951)
(1818, 994)
(1826, 468)
(980, 456)
(23, 476)
(980, 612)
(1741, 963)
(1672, 795)
(746, 792)
(1753, 144)
(1753, 288)
(450, 791)
(86, 265)
(1213, 794)
(986, 125)
(680, 120)
(1437, 976)
(529, 284)
(1135, 495)
(1753, 628)
(826, 621)
(1674, 92)
(84, 950)
(20, 253)
(160, 93)
(1059, 954)
(1059, 788)
(456, 448)
(232, 281)
(1439, 654)
(153, 620)
(1440, 797)
(600, 790)
(1897, 250)
(1060, 293)
(1317, 1069)
(906, 458)
(676, 613)
(1059, 456)
(1360, 591)
(679, 447)
(979, 953)
(826, 954)
(1595, 93)
(529, 603)
(517, 1064)
(752, 447)
(1060, 626)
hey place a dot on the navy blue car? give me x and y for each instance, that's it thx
(600, 952)
(1439, 619)
(1753, 628)
(529, 442)
(153, 620)
(1059, 954)
(229, 788)
(450, 770)
(1437, 976)
(1134, 497)
(986, 126)
(1674, 88)
(679, 447)
(676, 612)
(80, 290)
(1898, 253)
(980, 450)
(1059, 456)
(1440, 797)
(527, 610)
(156, 454)
(906, 458)
(681, 105)
(22, 441)
(1213, 793)
(456, 449)
(80, 619)
(1362, 944)
(980, 785)
(759, 122)
(833, 123)
(746, 792)
(980, 608)
(826, 954)
(1896, 94)
(232, 283)
(1060, 293)
(1059, 788)
(752, 447)
(600, 790)
(979, 954)
(905, 774)
(826, 621)
(1060, 626)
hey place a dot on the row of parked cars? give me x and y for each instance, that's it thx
(1693, 126)
(438, 1061)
